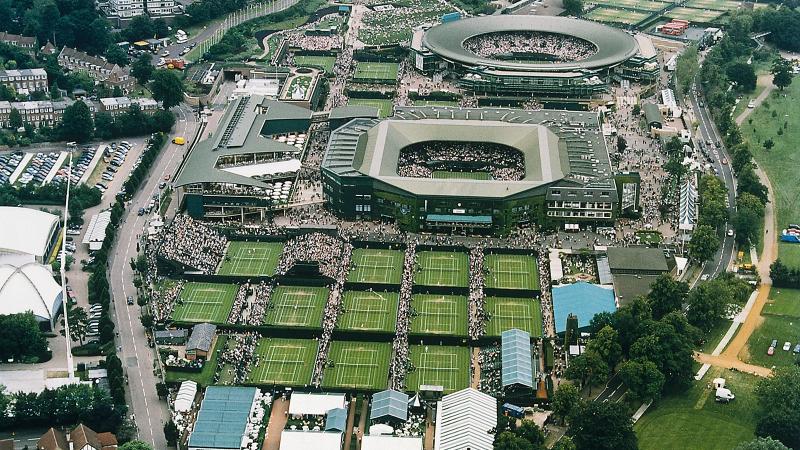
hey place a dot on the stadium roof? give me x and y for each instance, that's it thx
(305, 440)
(582, 299)
(314, 404)
(336, 420)
(201, 337)
(389, 403)
(516, 358)
(614, 46)
(352, 111)
(25, 230)
(385, 442)
(222, 420)
(29, 287)
(463, 420)
(637, 259)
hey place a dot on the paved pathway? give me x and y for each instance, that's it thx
(476, 368)
(757, 101)
(351, 414)
(277, 422)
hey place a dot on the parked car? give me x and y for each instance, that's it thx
(787, 346)
(774, 343)
(771, 351)
(130, 299)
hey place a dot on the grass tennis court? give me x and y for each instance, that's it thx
(694, 15)
(506, 313)
(323, 62)
(205, 302)
(251, 258)
(297, 306)
(369, 311)
(358, 365)
(379, 266)
(614, 15)
(719, 5)
(442, 269)
(506, 271)
(375, 71)
(439, 314)
(641, 5)
(285, 362)
(384, 106)
(439, 365)
(461, 175)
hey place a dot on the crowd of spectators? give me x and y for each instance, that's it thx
(317, 247)
(250, 304)
(333, 309)
(239, 354)
(491, 370)
(192, 244)
(477, 314)
(547, 46)
(421, 160)
(162, 301)
(400, 356)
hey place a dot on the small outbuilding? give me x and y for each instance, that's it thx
(199, 344)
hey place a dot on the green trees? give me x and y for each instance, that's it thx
(686, 69)
(77, 124)
(713, 211)
(589, 369)
(666, 295)
(743, 75)
(704, 243)
(167, 88)
(171, 433)
(573, 7)
(605, 344)
(779, 406)
(707, 304)
(603, 426)
(527, 436)
(141, 69)
(78, 322)
(15, 119)
(116, 55)
(781, 73)
(566, 401)
(643, 379)
(762, 443)
(748, 219)
(21, 338)
(135, 445)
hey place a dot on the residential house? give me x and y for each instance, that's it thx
(102, 71)
(80, 438)
(119, 105)
(24, 42)
(42, 113)
(25, 81)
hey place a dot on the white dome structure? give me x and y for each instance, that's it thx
(30, 287)
(27, 231)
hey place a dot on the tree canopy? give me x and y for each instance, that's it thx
(167, 88)
(603, 426)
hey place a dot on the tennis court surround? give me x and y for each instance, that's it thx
(439, 314)
(358, 365)
(369, 311)
(625, 17)
(297, 306)
(506, 271)
(435, 268)
(205, 302)
(694, 15)
(719, 5)
(641, 5)
(383, 106)
(251, 258)
(439, 365)
(508, 312)
(375, 72)
(377, 266)
(284, 362)
(322, 62)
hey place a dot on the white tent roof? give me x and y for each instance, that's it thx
(253, 170)
(315, 404)
(185, 397)
(304, 440)
(372, 442)
(463, 420)
(96, 231)
(29, 287)
(26, 230)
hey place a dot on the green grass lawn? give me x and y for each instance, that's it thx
(507, 313)
(782, 322)
(251, 258)
(442, 269)
(378, 266)
(626, 17)
(205, 302)
(284, 362)
(439, 365)
(321, 62)
(297, 306)
(439, 314)
(206, 376)
(694, 15)
(506, 271)
(358, 365)
(384, 106)
(369, 311)
(649, 237)
(692, 420)
(377, 72)
(783, 302)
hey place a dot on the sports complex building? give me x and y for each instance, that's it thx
(550, 70)
(565, 178)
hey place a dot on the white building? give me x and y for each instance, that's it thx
(30, 287)
(25, 81)
(27, 233)
(463, 421)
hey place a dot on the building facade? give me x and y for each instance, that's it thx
(115, 106)
(25, 81)
(102, 71)
(25, 42)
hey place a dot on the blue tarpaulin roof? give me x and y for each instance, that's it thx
(336, 419)
(516, 358)
(582, 299)
(222, 419)
(389, 403)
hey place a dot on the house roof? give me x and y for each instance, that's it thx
(463, 420)
(202, 336)
(82, 436)
(26, 230)
(52, 440)
(637, 259)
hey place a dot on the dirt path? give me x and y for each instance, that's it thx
(429, 434)
(476, 368)
(348, 433)
(362, 422)
(765, 79)
(732, 363)
(277, 422)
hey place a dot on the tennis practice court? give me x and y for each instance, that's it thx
(442, 269)
(507, 313)
(377, 266)
(204, 302)
(358, 365)
(285, 362)
(321, 62)
(694, 15)
(383, 105)
(439, 314)
(251, 258)
(369, 311)
(506, 271)
(375, 71)
(297, 306)
(439, 365)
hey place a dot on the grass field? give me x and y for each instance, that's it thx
(461, 175)
(376, 72)
(719, 5)
(384, 106)
(205, 302)
(783, 302)
(321, 62)
(688, 420)
(507, 313)
(439, 365)
(781, 317)
(511, 271)
(378, 266)
(614, 15)
(284, 362)
(206, 376)
(642, 5)
(694, 15)
(369, 311)
(297, 306)
(251, 258)
(442, 269)
(358, 365)
(439, 314)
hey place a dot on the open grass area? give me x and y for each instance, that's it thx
(694, 15)
(442, 269)
(439, 365)
(378, 72)
(781, 322)
(284, 362)
(206, 376)
(649, 237)
(251, 258)
(384, 106)
(394, 25)
(320, 62)
(461, 175)
(613, 15)
(205, 302)
(692, 420)
(719, 5)
(783, 302)
(377, 266)
(297, 306)
(358, 365)
(506, 313)
(369, 311)
(439, 314)
(641, 5)
(781, 161)
(505, 271)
